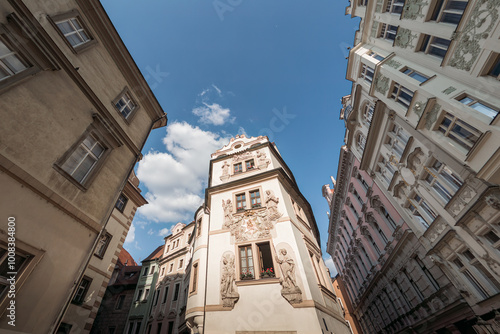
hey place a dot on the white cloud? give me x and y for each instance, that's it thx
(141, 224)
(151, 231)
(241, 131)
(217, 89)
(330, 265)
(176, 180)
(131, 234)
(164, 232)
(213, 114)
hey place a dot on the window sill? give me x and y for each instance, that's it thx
(270, 280)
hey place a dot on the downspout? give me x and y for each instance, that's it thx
(62, 313)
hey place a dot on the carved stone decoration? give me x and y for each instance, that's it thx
(225, 171)
(262, 160)
(492, 263)
(370, 218)
(457, 206)
(364, 230)
(483, 19)
(290, 290)
(404, 38)
(431, 116)
(376, 203)
(381, 84)
(228, 281)
(253, 224)
(374, 30)
(228, 213)
(419, 107)
(242, 156)
(415, 159)
(393, 63)
(400, 190)
(272, 206)
(413, 9)
(449, 90)
(493, 200)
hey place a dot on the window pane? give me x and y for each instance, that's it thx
(485, 110)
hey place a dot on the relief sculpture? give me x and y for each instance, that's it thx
(227, 282)
(290, 290)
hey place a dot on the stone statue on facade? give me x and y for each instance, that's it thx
(272, 205)
(262, 160)
(227, 282)
(228, 213)
(290, 290)
(225, 171)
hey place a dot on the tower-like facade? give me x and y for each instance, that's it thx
(257, 263)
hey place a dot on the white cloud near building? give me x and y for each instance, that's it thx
(213, 114)
(175, 179)
(131, 234)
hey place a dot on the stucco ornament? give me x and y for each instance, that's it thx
(242, 156)
(483, 18)
(225, 171)
(404, 38)
(228, 213)
(415, 159)
(262, 160)
(493, 200)
(413, 9)
(227, 282)
(290, 290)
(381, 84)
(393, 63)
(449, 90)
(252, 224)
(272, 205)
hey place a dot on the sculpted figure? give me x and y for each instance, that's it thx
(287, 266)
(228, 277)
(225, 169)
(272, 205)
(228, 213)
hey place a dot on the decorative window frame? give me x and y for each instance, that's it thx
(254, 245)
(100, 131)
(248, 201)
(69, 15)
(126, 92)
(14, 41)
(33, 257)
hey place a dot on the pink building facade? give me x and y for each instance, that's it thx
(392, 285)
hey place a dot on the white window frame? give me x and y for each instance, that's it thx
(387, 32)
(443, 8)
(395, 6)
(420, 77)
(77, 29)
(478, 106)
(429, 43)
(447, 130)
(367, 73)
(398, 93)
(421, 210)
(443, 180)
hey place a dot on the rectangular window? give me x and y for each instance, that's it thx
(111, 330)
(388, 32)
(479, 106)
(387, 215)
(363, 182)
(170, 327)
(367, 73)
(448, 11)
(103, 245)
(375, 55)
(84, 158)
(395, 6)
(249, 164)
(198, 228)
(152, 270)
(241, 202)
(422, 211)
(434, 46)
(10, 62)
(458, 131)
(402, 95)
(121, 203)
(155, 297)
(138, 327)
(181, 263)
(158, 328)
(354, 211)
(176, 292)
(443, 180)
(194, 284)
(125, 105)
(492, 237)
(171, 267)
(146, 295)
(73, 31)
(165, 296)
(494, 68)
(246, 261)
(238, 168)
(266, 263)
(20, 260)
(427, 273)
(162, 271)
(84, 286)
(255, 199)
(415, 75)
(119, 302)
(138, 297)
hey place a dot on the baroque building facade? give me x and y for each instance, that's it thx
(256, 264)
(422, 123)
(77, 112)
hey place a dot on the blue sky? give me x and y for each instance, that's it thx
(226, 67)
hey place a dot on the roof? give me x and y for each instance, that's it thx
(125, 259)
(157, 253)
(129, 275)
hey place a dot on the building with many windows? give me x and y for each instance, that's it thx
(76, 114)
(422, 123)
(257, 264)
